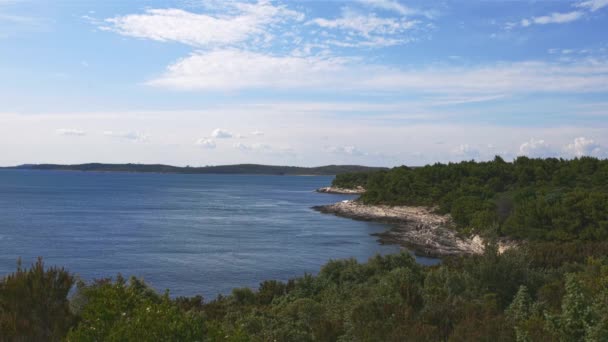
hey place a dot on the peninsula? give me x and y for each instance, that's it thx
(453, 209)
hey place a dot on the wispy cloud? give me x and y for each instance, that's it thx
(347, 150)
(583, 8)
(18, 19)
(131, 135)
(206, 143)
(265, 149)
(389, 5)
(13, 23)
(219, 133)
(365, 29)
(234, 70)
(237, 22)
(257, 133)
(553, 18)
(250, 26)
(70, 132)
(593, 5)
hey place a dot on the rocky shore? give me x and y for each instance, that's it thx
(416, 228)
(343, 191)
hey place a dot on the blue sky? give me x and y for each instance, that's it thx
(377, 82)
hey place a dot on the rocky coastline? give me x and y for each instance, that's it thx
(416, 228)
(341, 191)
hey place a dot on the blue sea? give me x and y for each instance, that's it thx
(192, 234)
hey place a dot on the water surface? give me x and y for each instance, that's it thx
(192, 234)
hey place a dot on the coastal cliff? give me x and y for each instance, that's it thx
(417, 228)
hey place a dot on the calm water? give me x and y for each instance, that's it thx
(192, 234)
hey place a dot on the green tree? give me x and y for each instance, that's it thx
(34, 304)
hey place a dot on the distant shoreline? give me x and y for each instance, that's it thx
(249, 169)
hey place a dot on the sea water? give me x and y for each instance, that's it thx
(191, 234)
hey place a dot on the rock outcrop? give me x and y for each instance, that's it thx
(417, 228)
(343, 191)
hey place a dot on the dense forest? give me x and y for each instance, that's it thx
(252, 169)
(541, 292)
(534, 199)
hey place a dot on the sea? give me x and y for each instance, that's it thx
(191, 234)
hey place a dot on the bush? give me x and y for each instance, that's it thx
(34, 304)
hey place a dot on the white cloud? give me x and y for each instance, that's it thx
(253, 147)
(389, 5)
(70, 132)
(553, 18)
(132, 135)
(593, 5)
(562, 18)
(257, 133)
(465, 151)
(535, 149)
(369, 29)
(234, 70)
(242, 146)
(237, 22)
(583, 147)
(206, 143)
(219, 133)
(17, 19)
(348, 150)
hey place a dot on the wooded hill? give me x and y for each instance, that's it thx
(536, 199)
(220, 169)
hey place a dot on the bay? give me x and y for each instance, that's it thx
(192, 234)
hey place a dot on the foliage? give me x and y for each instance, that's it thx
(34, 304)
(534, 199)
(501, 297)
(351, 180)
(131, 311)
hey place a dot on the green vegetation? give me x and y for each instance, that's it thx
(351, 180)
(524, 295)
(253, 169)
(34, 304)
(535, 199)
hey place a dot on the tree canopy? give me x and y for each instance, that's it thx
(523, 294)
(536, 199)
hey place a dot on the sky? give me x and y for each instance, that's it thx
(308, 83)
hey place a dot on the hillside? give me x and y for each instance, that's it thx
(533, 199)
(220, 169)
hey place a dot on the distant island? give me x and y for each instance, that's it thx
(255, 169)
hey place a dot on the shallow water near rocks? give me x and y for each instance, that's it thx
(192, 234)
